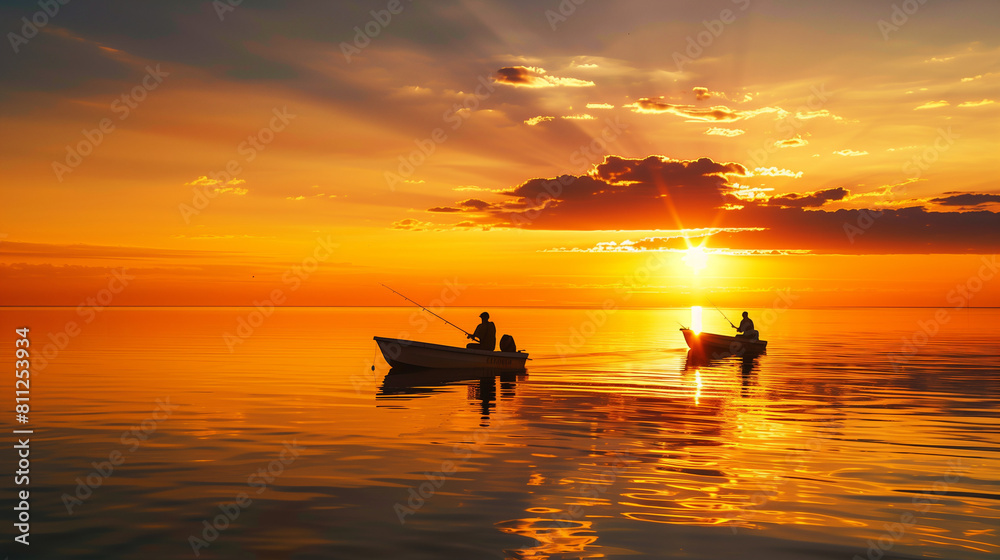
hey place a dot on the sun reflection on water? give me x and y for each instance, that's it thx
(696, 318)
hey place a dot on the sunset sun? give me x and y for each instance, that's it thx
(696, 258)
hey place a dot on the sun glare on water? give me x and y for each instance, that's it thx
(696, 318)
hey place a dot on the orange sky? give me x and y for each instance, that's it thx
(839, 153)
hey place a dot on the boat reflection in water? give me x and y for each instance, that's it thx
(748, 364)
(482, 384)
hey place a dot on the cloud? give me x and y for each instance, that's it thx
(701, 93)
(966, 199)
(536, 120)
(932, 105)
(218, 187)
(977, 77)
(808, 200)
(676, 244)
(662, 193)
(806, 115)
(534, 77)
(412, 225)
(977, 103)
(718, 113)
(851, 153)
(637, 192)
(583, 117)
(776, 172)
(600, 106)
(796, 142)
(730, 132)
(467, 205)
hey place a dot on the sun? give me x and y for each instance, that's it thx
(696, 258)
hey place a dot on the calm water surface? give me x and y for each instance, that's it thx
(612, 445)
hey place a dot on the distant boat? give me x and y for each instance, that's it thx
(410, 354)
(719, 345)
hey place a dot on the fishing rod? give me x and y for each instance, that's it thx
(723, 314)
(427, 310)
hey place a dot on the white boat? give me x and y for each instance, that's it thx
(412, 354)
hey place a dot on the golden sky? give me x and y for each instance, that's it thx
(531, 153)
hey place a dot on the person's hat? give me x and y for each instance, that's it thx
(484, 315)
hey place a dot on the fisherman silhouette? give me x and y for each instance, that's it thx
(486, 334)
(746, 330)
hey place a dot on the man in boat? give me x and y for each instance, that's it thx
(486, 334)
(746, 330)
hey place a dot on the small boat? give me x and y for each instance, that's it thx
(718, 346)
(410, 354)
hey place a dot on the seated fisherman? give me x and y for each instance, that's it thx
(746, 330)
(486, 334)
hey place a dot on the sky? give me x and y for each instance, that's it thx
(521, 153)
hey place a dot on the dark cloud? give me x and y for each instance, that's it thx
(808, 200)
(474, 204)
(535, 78)
(659, 193)
(515, 75)
(904, 230)
(966, 199)
(469, 204)
(620, 193)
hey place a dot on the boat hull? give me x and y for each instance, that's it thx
(410, 354)
(716, 345)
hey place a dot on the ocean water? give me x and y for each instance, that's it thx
(182, 433)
